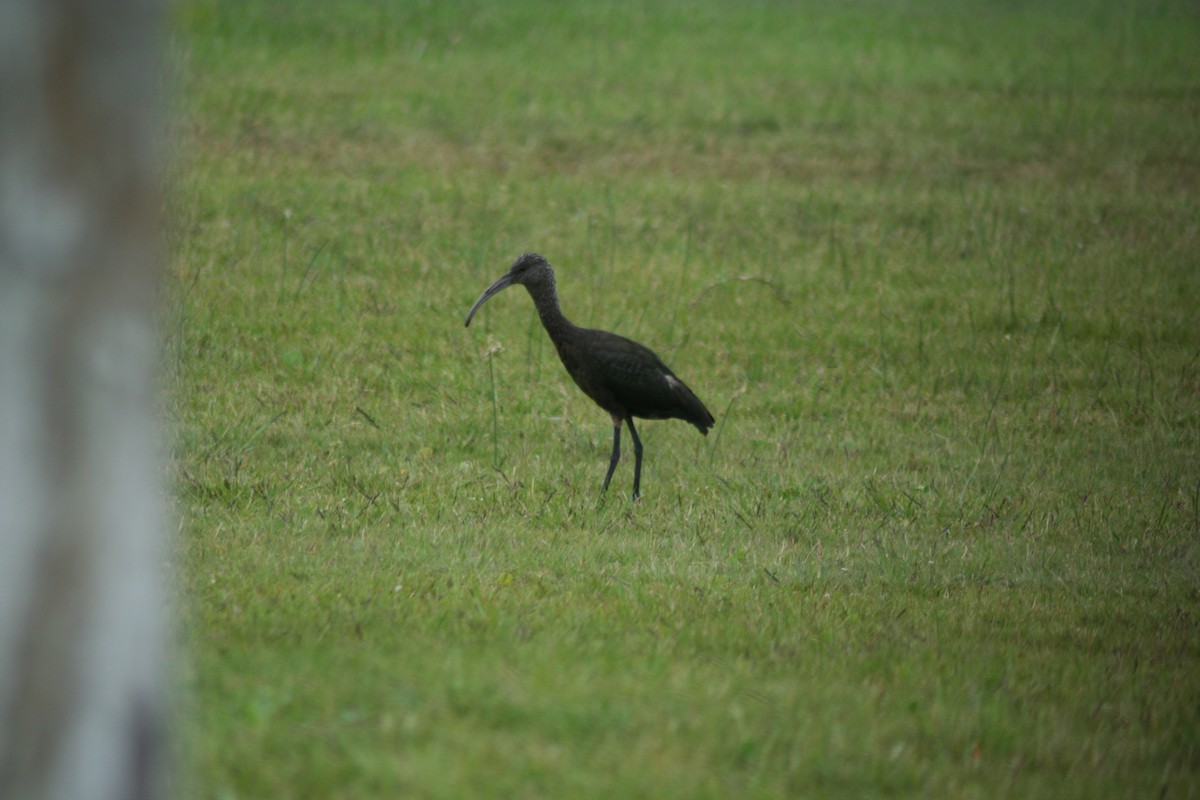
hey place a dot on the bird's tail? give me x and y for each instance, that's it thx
(693, 410)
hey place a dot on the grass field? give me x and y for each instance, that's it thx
(935, 268)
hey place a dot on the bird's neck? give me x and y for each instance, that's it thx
(545, 298)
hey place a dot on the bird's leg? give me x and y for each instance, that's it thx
(637, 459)
(616, 454)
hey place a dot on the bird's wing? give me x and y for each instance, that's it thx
(634, 377)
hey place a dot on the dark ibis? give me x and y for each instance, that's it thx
(624, 378)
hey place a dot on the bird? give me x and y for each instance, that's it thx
(624, 378)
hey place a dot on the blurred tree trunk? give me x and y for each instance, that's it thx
(82, 592)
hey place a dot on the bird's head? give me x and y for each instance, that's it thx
(530, 270)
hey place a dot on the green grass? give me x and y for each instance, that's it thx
(934, 266)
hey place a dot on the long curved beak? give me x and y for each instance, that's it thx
(495, 288)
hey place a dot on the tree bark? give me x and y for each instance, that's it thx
(83, 606)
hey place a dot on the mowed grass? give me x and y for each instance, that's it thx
(935, 268)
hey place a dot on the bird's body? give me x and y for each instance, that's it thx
(623, 377)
